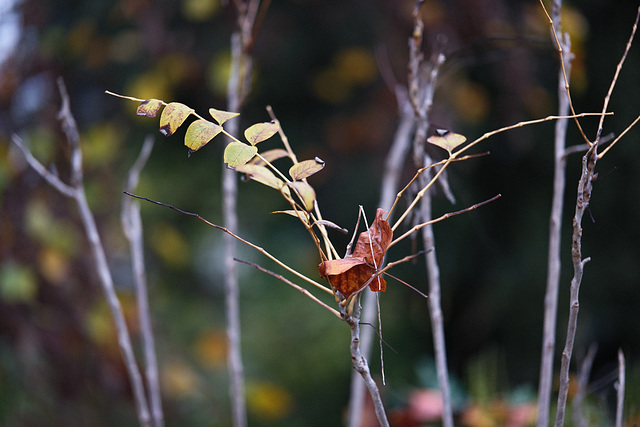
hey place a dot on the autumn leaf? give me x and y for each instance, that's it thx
(378, 238)
(222, 116)
(304, 169)
(260, 132)
(173, 115)
(262, 175)
(270, 156)
(352, 273)
(199, 133)
(306, 192)
(447, 140)
(237, 153)
(149, 108)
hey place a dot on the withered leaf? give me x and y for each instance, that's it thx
(261, 174)
(173, 115)
(306, 168)
(447, 140)
(350, 274)
(149, 108)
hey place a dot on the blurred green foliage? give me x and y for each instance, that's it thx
(320, 64)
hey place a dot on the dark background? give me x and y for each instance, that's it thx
(318, 64)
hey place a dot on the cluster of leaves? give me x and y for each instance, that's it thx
(347, 276)
(241, 156)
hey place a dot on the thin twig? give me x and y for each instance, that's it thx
(360, 363)
(620, 385)
(579, 419)
(293, 285)
(132, 226)
(77, 192)
(615, 80)
(235, 236)
(237, 91)
(555, 224)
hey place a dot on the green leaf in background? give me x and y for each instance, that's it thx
(222, 116)
(260, 132)
(173, 115)
(149, 108)
(199, 133)
(237, 153)
(306, 168)
(17, 283)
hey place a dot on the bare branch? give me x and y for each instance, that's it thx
(132, 226)
(235, 236)
(615, 77)
(293, 285)
(620, 385)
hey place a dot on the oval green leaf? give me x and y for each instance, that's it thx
(306, 168)
(262, 175)
(173, 115)
(260, 132)
(149, 108)
(199, 133)
(305, 192)
(237, 153)
(447, 140)
(222, 116)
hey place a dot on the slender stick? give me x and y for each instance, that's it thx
(579, 419)
(235, 236)
(620, 388)
(77, 192)
(132, 226)
(555, 226)
(582, 202)
(360, 363)
(237, 90)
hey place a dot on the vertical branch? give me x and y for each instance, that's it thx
(579, 419)
(237, 91)
(391, 176)
(582, 202)
(421, 93)
(555, 227)
(362, 367)
(132, 226)
(77, 193)
(620, 388)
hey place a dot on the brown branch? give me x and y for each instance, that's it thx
(293, 285)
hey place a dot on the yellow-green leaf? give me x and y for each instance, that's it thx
(260, 132)
(295, 213)
(173, 115)
(306, 193)
(270, 156)
(261, 174)
(237, 153)
(306, 168)
(447, 140)
(222, 116)
(199, 133)
(149, 108)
